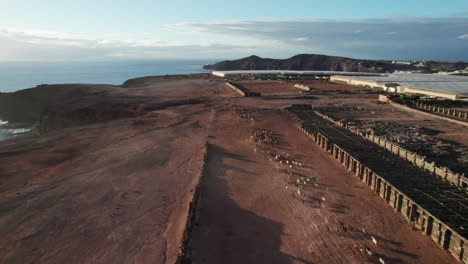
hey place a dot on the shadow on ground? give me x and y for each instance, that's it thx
(226, 233)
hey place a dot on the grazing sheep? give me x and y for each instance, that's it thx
(369, 252)
(374, 241)
(311, 179)
(381, 261)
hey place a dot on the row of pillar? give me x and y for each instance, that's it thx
(412, 212)
(447, 111)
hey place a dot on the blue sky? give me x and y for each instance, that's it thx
(143, 29)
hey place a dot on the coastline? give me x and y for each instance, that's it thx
(15, 76)
(16, 130)
(48, 107)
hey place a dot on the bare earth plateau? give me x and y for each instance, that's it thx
(113, 175)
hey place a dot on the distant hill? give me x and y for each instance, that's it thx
(332, 63)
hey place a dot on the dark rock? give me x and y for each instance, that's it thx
(330, 63)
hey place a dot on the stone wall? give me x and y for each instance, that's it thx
(242, 91)
(302, 87)
(442, 110)
(192, 210)
(409, 109)
(419, 217)
(357, 82)
(457, 179)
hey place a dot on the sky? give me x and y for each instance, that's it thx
(70, 30)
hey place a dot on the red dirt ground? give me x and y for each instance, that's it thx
(247, 215)
(119, 191)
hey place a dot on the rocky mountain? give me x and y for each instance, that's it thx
(332, 63)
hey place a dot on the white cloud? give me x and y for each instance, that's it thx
(24, 44)
(395, 38)
(301, 39)
(33, 33)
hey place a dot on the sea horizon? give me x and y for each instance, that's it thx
(19, 75)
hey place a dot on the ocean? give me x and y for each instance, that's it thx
(15, 76)
(21, 75)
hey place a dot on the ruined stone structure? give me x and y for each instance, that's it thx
(458, 179)
(302, 87)
(409, 109)
(430, 204)
(442, 110)
(242, 90)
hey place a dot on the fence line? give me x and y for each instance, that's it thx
(443, 110)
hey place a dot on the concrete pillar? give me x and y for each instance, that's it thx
(399, 205)
(406, 209)
(415, 215)
(388, 194)
(360, 173)
(430, 226)
(457, 246)
(423, 221)
(369, 178)
(463, 250)
(439, 233)
(394, 199)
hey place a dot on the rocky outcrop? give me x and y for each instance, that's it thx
(26, 106)
(56, 117)
(61, 106)
(331, 63)
(54, 107)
